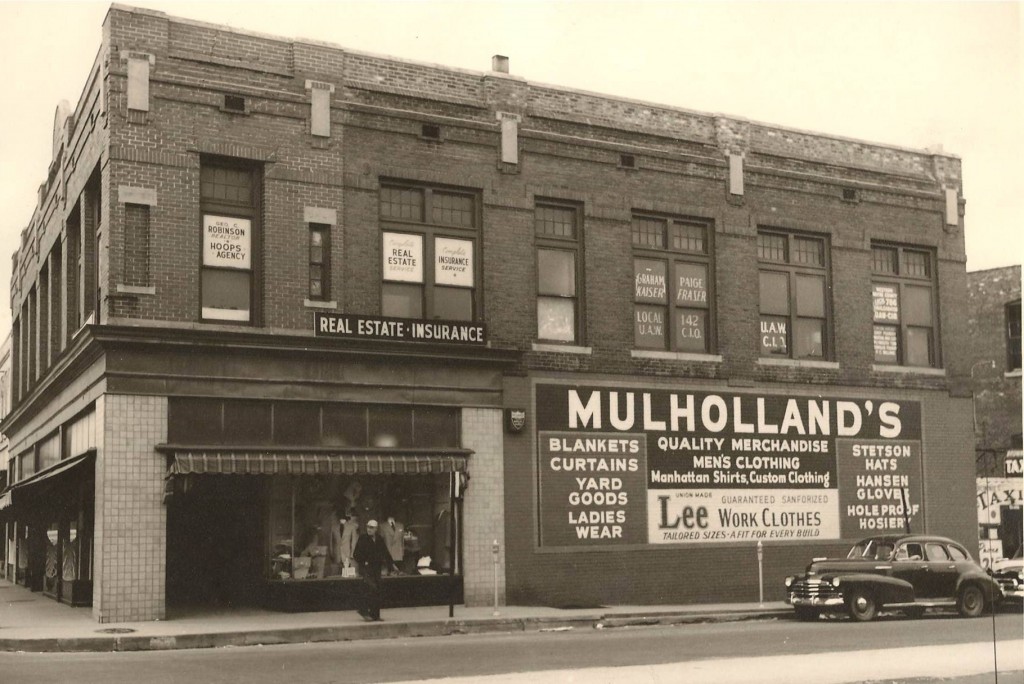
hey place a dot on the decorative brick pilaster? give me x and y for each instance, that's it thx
(131, 519)
(484, 507)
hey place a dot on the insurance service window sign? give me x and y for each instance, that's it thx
(227, 242)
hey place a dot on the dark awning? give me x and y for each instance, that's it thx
(55, 474)
(235, 462)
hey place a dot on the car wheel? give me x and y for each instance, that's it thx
(861, 606)
(971, 601)
(806, 614)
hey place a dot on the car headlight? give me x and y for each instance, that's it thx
(789, 581)
(836, 581)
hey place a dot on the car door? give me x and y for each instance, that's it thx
(940, 580)
(909, 565)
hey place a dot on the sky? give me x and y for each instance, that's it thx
(912, 74)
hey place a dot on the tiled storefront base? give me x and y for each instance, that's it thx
(484, 506)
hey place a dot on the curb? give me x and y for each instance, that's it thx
(358, 632)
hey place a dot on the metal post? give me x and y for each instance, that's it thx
(760, 573)
(494, 552)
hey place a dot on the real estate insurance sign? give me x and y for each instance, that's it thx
(637, 466)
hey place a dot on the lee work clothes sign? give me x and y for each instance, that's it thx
(702, 467)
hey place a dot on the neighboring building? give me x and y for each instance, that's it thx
(270, 283)
(993, 326)
(7, 557)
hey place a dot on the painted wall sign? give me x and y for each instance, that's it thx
(886, 344)
(227, 242)
(403, 257)
(705, 467)
(453, 262)
(354, 326)
(886, 303)
(691, 285)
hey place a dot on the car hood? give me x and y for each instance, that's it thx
(829, 566)
(1008, 565)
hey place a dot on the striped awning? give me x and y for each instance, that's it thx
(215, 462)
(5, 500)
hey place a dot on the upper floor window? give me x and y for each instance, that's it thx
(1013, 336)
(793, 279)
(903, 296)
(229, 196)
(319, 261)
(557, 233)
(672, 275)
(429, 246)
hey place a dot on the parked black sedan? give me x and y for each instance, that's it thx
(905, 572)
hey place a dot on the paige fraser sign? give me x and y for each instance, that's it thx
(353, 326)
(227, 242)
(724, 467)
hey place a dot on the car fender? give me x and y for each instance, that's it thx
(885, 589)
(983, 580)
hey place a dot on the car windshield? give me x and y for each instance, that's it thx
(871, 549)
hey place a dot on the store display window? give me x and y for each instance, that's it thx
(315, 521)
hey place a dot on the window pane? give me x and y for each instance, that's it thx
(648, 232)
(226, 294)
(247, 422)
(650, 279)
(886, 344)
(883, 260)
(917, 303)
(297, 423)
(452, 209)
(401, 300)
(225, 184)
(453, 303)
(919, 347)
(774, 293)
(807, 338)
(771, 247)
(390, 426)
(774, 336)
(436, 427)
(808, 251)
(916, 264)
(193, 421)
(556, 272)
(344, 425)
(810, 296)
(401, 203)
(555, 221)
(691, 330)
(556, 319)
(689, 237)
(649, 327)
(691, 284)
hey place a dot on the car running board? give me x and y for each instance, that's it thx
(932, 603)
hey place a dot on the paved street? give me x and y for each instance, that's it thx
(774, 651)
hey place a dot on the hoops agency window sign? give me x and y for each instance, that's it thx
(227, 242)
(637, 466)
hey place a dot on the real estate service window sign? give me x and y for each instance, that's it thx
(227, 242)
(403, 257)
(640, 466)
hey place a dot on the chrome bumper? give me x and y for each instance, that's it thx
(794, 600)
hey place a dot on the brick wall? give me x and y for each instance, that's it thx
(484, 507)
(131, 519)
(997, 391)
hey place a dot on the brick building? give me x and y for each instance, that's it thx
(993, 327)
(273, 283)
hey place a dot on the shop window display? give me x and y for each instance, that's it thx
(315, 522)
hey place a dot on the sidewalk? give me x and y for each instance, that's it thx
(31, 622)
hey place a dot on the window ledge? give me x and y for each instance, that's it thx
(909, 370)
(1012, 374)
(562, 348)
(319, 304)
(799, 363)
(675, 356)
(136, 290)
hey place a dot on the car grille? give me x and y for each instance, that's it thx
(813, 589)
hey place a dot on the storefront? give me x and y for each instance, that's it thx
(267, 499)
(1000, 519)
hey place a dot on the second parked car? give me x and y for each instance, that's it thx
(905, 572)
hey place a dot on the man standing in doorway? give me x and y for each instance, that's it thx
(372, 555)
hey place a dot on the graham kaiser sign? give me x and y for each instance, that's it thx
(355, 326)
(639, 466)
